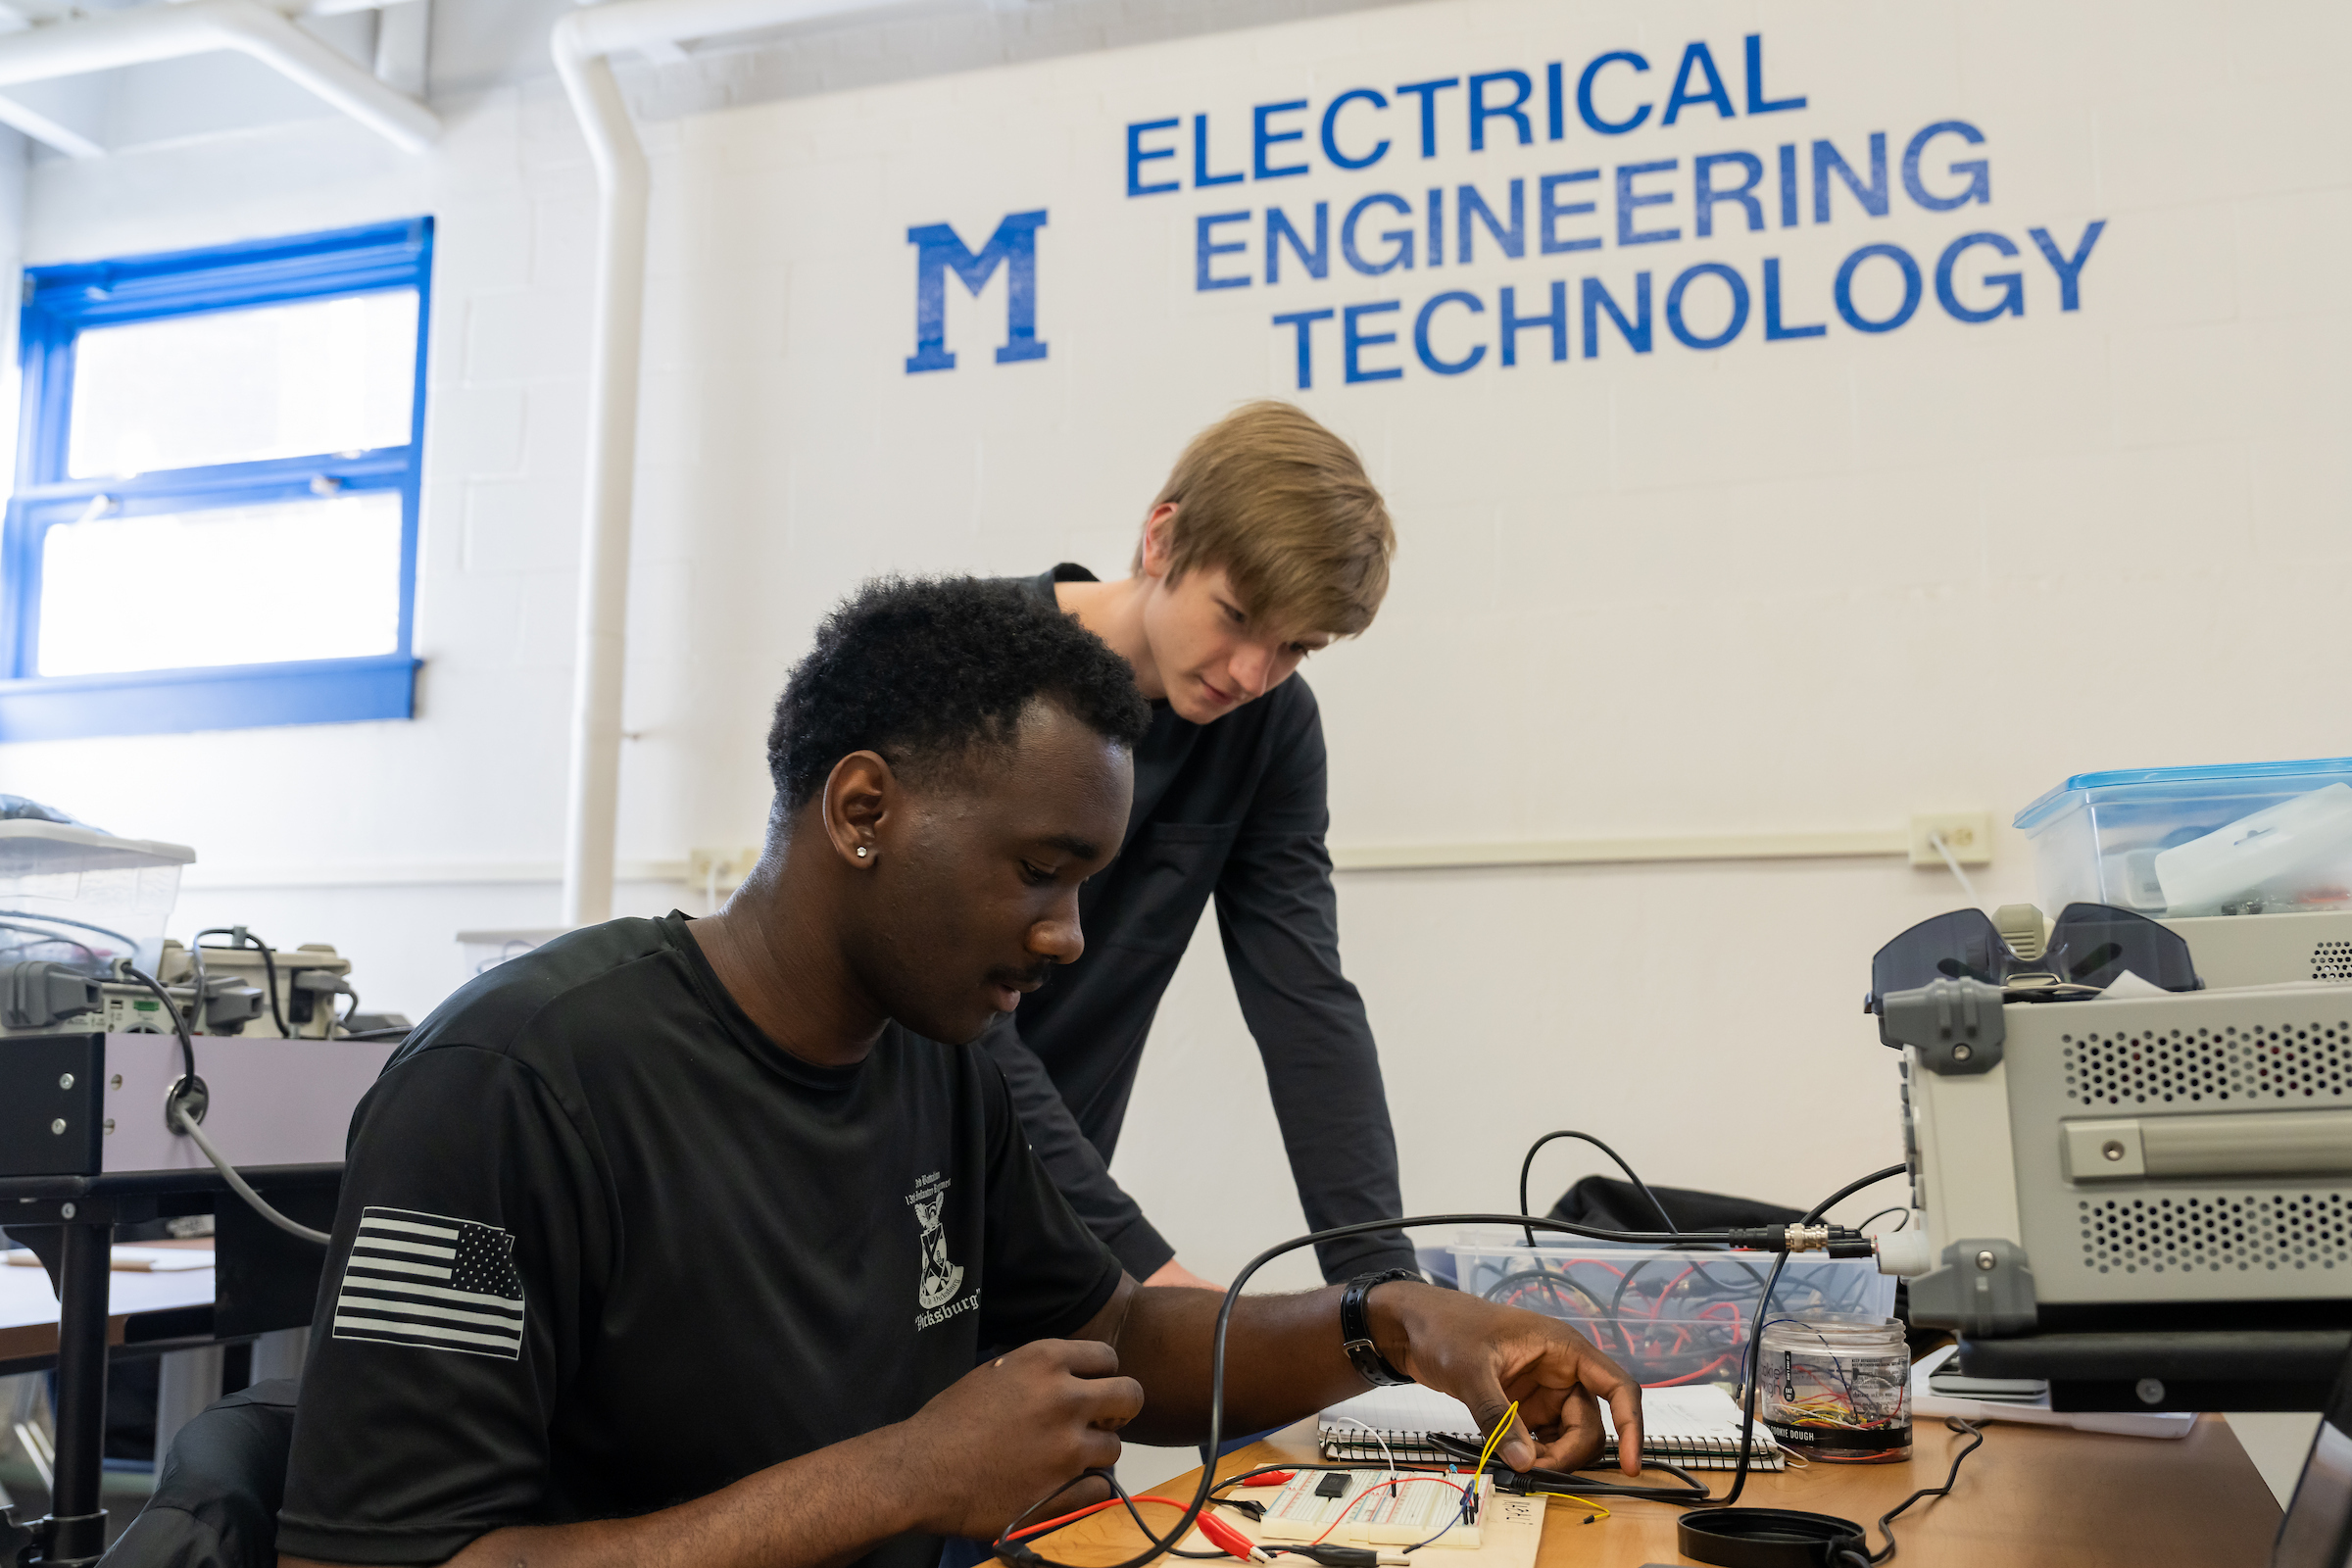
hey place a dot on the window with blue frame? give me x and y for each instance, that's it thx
(215, 518)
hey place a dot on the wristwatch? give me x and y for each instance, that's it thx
(1356, 1328)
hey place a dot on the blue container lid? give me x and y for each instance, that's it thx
(2160, 783)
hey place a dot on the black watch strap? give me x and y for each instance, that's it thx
(1356, 1328)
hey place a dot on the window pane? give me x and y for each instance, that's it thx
(240, 585)
(236, 386)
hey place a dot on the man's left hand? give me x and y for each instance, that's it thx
(1488, 1356)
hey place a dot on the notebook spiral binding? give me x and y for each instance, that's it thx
(1690, 1451)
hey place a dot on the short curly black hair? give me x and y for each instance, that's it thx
(925, 670)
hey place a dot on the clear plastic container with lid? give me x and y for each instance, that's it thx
(1667, 1316)
(77, 896)
(1837, 1389)
(2238, 838)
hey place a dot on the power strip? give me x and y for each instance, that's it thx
(1376, 1508)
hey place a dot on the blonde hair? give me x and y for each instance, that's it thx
(1285, 507)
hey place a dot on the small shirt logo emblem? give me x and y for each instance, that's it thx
(941, 1279)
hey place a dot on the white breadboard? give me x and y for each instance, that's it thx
(1375, 1512)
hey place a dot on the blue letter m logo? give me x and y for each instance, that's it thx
(1013, 246)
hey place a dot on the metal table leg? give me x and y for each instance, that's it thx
(77, 1522)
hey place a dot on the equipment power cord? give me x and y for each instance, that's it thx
(1639, 1185)
(177, 1109)
(1886, 1520)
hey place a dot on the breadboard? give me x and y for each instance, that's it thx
(1375, 1511)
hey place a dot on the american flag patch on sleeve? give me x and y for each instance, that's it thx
(438, 1284)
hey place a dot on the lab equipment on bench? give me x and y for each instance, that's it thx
(1940, 1388)
(307, 981)
(2129, 1139)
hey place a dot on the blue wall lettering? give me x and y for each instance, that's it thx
(1353, 342)
(1549, 211)
(1205, 250)
(1426, 354)
(2068, 268)
(1427, 92)
(1138, 155)
(1331, 140)
(1627, 202)
(1637, 332)
(1844, 292)
(1303, 322)
(1261, 139)
(1774, 331)
(1401, 238)
(1514, 324)
(1471, 204)
(1977, 171)
(1704, 195)
(2013, 285)
(1515, 111)
(1317, 261)
(1683, 97)
(1674, 306)
(1584, 95)
(1828, 160)
(1013, 247)
(1757, 103)
(1201, 175)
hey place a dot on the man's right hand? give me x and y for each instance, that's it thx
(1005, 1433)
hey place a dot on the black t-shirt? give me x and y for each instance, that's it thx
(605, 1247)
(1234, 808)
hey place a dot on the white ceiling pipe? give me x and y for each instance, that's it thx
(583, 44)
(115, 38)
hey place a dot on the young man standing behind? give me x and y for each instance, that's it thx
(1267, 543)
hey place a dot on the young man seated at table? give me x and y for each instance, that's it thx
(718, 1241)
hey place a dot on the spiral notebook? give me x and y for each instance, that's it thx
(1695, 1426)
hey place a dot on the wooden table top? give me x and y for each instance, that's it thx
(2031, 1495)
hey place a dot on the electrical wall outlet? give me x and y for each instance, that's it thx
(719, 870)
(1967, 834)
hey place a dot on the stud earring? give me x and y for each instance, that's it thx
(862, 852)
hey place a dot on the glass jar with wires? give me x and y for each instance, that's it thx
(1837, 1388)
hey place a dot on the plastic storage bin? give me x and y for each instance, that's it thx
(2242, 838)
(78, 895)
(1667, 1316)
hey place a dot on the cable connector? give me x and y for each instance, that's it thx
(1227, 1540)
(1268, 1478)
(1798, 1238)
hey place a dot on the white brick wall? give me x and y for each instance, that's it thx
(1787, 586)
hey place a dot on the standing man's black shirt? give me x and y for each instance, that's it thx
(605, 1247)
(1235, 808)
